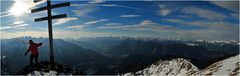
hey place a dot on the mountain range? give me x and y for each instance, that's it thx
(179, 66)
(116, 55)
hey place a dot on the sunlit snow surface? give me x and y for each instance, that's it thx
(39, 73)
(174, 67)
(229, 66)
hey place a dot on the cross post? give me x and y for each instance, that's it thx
(50, 33)
(49, 18)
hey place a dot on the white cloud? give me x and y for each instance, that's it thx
(15, 26)
(203, 13)
(218, 25)
(215, 25)
(184, 16)
(105, 5)
(164, 11)
(144, 25)
(78, 27)
(6, 12)
(57, 34)
(85, 9)
(110, 5)
(83, 12)
(175, 21)
(5, 15)
(152, 25)
(97, 1)
(122, 6)
(112, 24)
(18, 22)
(213, 29)
(130, 16)
(64, 20)
(230, 5)
(78, 5)
(96, 21)
(22, 28)
(85, 25)
(23, 6)
(235, 15)
(28, 4)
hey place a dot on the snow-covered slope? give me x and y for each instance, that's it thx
(39, 73)
(229, 66)
(43, 68)
(174, 67)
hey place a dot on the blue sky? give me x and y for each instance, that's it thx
(213, 20)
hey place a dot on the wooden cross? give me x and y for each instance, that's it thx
(49, 18)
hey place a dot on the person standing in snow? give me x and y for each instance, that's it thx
(34, 51)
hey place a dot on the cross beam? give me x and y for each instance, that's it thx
(36, 1)
(51, 7)
(49, 18)
(52, 17)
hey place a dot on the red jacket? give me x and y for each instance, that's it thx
(34, 48)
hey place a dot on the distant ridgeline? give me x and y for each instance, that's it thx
(115, 55)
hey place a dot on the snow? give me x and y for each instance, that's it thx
(39, 73)
(229, 66)
(2, 57)
(226, 67)
(173, 67)
(191, 44)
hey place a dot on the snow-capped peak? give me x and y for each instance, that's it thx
(191, 44)
(174, 67)
(229, 66)
(39, 73)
